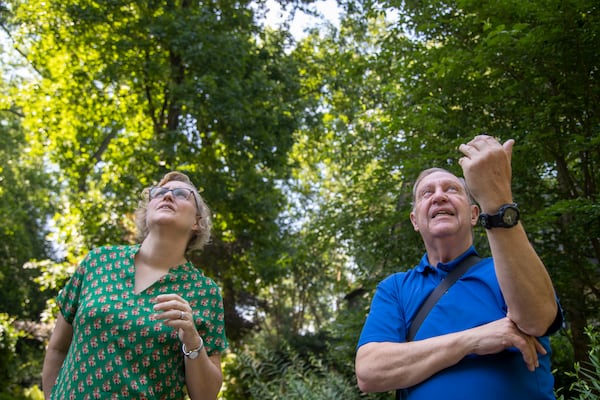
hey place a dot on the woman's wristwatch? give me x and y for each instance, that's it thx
(194, 353)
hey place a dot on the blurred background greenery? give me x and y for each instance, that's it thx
(304, 146)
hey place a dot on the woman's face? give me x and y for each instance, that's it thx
(172, 204)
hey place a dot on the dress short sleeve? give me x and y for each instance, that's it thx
(68, 298)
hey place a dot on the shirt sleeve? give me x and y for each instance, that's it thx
(558, 320)
(68, 298)
(211, 321)
(385, 321)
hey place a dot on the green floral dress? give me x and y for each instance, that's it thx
(118, 351)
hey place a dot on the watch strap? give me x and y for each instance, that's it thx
(197, 349)
(489, 221)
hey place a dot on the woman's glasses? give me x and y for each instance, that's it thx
(157, 192)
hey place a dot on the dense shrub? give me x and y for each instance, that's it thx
(586, 376)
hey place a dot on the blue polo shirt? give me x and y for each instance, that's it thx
(475, 299)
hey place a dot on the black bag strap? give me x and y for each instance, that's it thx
(438, 292)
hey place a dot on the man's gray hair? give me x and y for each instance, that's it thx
(429, 171)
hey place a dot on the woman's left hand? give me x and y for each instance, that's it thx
(176, 312)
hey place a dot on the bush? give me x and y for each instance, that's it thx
(587, 376)
(21, 348)
(280, 372)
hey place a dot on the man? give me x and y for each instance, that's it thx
(486, 338)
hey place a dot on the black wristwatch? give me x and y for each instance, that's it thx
(506, 217)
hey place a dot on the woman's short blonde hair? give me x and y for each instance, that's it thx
(201, 237)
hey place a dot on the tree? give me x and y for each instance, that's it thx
(306, 151)
(24, 209)
(126, 92)
(401, 98)
(525, 71)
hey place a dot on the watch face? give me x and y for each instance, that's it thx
(510, 216)
(193, 355)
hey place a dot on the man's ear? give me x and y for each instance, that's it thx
(413, 220)
(474, 214)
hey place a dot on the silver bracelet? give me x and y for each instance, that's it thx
(194, 353)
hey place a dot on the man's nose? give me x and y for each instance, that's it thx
(440, 196)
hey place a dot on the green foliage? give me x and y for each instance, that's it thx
(562, 359)
(282, 363)
(8, 336)
(393, 101)
(522, 70)
(352, 178)
(20, 351)
(586, 385)
(304, 151)
(23, 210)
(264, 372)
(25, 189)
(122, 95)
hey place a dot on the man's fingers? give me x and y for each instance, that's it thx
(529, 349)
(508, 146)
(466, 150)
(540, 348)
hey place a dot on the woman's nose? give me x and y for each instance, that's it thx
(169, 194)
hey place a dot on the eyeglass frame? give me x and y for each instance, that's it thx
(166, 190)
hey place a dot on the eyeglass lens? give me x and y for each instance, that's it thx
(179, 193)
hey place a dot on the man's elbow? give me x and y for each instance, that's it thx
(375, 371)
(367, 377)
(539, 326)
(366, 383)
(363, 370)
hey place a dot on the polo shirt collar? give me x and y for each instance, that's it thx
(425, 267)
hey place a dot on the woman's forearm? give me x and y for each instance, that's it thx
(203, 376)
(52, 364)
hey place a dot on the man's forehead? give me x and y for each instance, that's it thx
(439, 177)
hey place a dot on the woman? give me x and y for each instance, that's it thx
(141, 322)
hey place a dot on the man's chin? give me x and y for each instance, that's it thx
(443, 230)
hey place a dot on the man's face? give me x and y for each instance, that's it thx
(442, 207)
